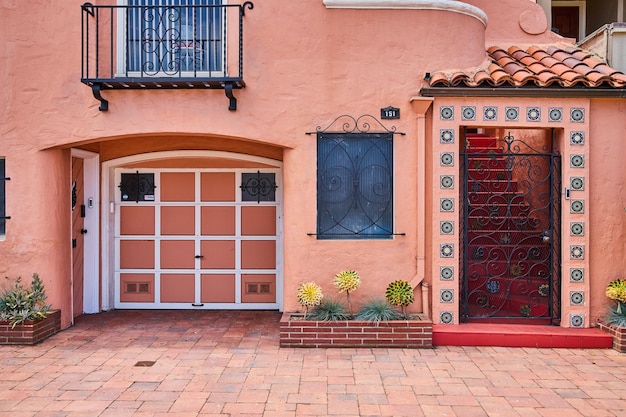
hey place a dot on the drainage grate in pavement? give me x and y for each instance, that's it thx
(145, 363)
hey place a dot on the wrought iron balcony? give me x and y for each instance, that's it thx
(164, 46)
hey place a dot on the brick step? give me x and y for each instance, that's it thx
(489, 174)
(501, 209)
(535, 286)
(492, 185)
(505, 198)
(479, 140)
(472, 150)
(500, 238)
(532, 269)
(507, 305)
(486, 162)
(502, 223)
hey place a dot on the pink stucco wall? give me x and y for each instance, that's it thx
(304, 65)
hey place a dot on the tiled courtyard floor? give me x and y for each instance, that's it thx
(229, 364)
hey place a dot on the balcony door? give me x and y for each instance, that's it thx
(173, 38)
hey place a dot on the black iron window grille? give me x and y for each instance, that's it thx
(355, 181)
(3, 179)
(137, 187)
(258, 187)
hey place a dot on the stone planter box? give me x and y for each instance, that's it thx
(618, 334)
(416, 333)
(30, 332)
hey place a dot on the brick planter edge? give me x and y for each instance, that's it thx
(30, 332)
(416, 333)
(618, 334)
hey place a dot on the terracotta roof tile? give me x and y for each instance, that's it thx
(535, 66)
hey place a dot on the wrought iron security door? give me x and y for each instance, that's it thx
(510, 229)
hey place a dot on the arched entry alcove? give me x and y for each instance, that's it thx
(192, 229)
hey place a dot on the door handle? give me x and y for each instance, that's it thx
(199, 256)
(83, 231)
(546, 236)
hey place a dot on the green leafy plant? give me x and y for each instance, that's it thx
(309, 295)
(377, 310)
(616, 291)
(330, 310)
(399, 293)
(347, 281)
(19, 304)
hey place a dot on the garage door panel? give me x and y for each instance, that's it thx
(217, 288)
(136, 254)
(258, 288)
(258, 254)
(137, 288)
(178, 186)
(177, 254)
(218, 254)
(217, 186)
(136, 220)
(177, 220)
(177, 288)
(258, 220)
(218, 220)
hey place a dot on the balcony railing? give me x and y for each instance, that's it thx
(163, 47)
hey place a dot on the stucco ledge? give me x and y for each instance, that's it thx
(445, 5)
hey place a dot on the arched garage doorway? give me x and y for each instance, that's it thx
(192, 230)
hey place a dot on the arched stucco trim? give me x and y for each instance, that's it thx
(108, 168)
(445, 5)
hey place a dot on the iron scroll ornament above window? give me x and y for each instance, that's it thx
(355, 179)
(361, 124)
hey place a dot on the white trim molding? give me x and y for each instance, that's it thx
(445, 5)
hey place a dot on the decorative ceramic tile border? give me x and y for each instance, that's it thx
(446, 227)
(446, 250)
(577, 115)
(446, 136)
(446, 204)
(577, 229)
(511, 114)
(446, 296)
(533, 114)
(446, 113)
(576, 320)
(577, 160)
(577, 206)
(446, 182)
(555, 114)
(577, 252)
(576, 298)
(577, 274)
(576, 138)
(468, 113)
(446, 273)
(446, 317)
(490, 113)
(447, 159)
(577, 183)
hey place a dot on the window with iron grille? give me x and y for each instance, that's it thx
(354, 185)
(174, 37)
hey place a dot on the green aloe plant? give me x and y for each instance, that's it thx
(347, 281)
(309, 295)
(19, 304)
(616, 291)
(399, 293)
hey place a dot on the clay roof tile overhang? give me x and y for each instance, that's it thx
(550, 71)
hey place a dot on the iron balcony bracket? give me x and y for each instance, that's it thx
(95, 89)
(228, 89)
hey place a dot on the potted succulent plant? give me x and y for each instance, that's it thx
(25, 318)
(615, 321)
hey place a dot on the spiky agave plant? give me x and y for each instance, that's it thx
(347, 281)
(309, 295)
(377, 310)
(399, 293)
(616, 290)
(330, 310)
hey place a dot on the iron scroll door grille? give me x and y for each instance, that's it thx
(510, 230)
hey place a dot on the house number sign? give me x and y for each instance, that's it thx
(390, 113)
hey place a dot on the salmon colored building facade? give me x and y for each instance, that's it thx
(218, 154)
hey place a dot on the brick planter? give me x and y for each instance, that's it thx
(30, 332)
(618, 334)
(354, 333)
